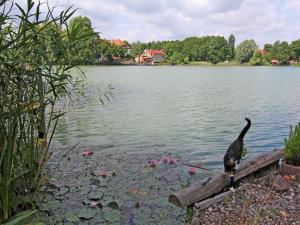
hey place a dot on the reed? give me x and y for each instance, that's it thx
(35, 72)
(292, 146)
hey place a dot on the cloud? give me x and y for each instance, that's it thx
(145, 20)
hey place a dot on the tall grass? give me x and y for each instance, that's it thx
(292, 146)
(35, 61)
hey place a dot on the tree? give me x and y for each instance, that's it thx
(86, 48)
(295, 49)
(218, 49)
(176, 58)
(257, 59)
(231, 42)
(245, 50)
(281, 51)
(137, 49)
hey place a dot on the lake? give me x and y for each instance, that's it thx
(195, 111)
(189, 113)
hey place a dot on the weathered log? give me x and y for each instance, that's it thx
(218, 198)
(210, 201)
(219, 181)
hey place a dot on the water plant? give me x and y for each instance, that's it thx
(292, 146)
(36, 63)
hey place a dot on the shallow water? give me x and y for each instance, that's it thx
(195, 111)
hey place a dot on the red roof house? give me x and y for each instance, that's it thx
(119, 42)
(274, 62)
(151, 56)
(261, 51)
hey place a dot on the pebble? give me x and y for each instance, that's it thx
(229, 209)
(259, 197)
(222, 210)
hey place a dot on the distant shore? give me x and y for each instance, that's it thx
(195, 63)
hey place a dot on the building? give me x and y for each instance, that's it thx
(261, 51)
(274, 62)
(151, 56)
(119, 42)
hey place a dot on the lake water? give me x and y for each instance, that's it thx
(195, 112)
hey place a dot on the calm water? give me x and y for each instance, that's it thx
(194, 111)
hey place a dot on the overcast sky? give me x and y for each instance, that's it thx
(148, 20)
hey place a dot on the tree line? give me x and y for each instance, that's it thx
(216, 49)
(212, 49)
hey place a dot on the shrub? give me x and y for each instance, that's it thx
(292, 146)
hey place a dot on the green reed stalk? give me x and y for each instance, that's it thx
(35, 61)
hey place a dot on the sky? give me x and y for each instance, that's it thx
(265, 21)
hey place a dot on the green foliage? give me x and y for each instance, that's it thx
(20, 217)
(245, 51)
(292, 146)
(189, 214)
(257, 59)
(36, 55)
(212, 49)
(281, 51)
(137, 48)
(186, 60)
(175, 58)
(295, 49)
(231, 42)
(245, 152)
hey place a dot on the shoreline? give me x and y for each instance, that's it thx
(194, 64)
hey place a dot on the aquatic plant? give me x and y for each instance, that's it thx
(292, 146)
(191, 170)
(36, 52)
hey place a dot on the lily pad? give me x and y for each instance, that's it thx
(95, 181)
(87, 213)
(107, 199)
(111, 215)
(50, 206)
(95, 195)
(63, 190)
(113, 205)
(86, 202)
(103, 182)
(72, 218)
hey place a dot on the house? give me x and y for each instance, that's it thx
(293, 62)
(151, 56)
(261, 51)
(274, 62)
(119, 42)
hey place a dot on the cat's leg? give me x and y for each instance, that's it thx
(237, 165)
(231, 183)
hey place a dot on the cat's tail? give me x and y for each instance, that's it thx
(246, 128)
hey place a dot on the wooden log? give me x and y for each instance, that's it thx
(219, 181)
(210, 201)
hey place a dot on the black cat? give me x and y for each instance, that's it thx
(234, 153)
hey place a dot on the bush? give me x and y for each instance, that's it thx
(292, 146)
